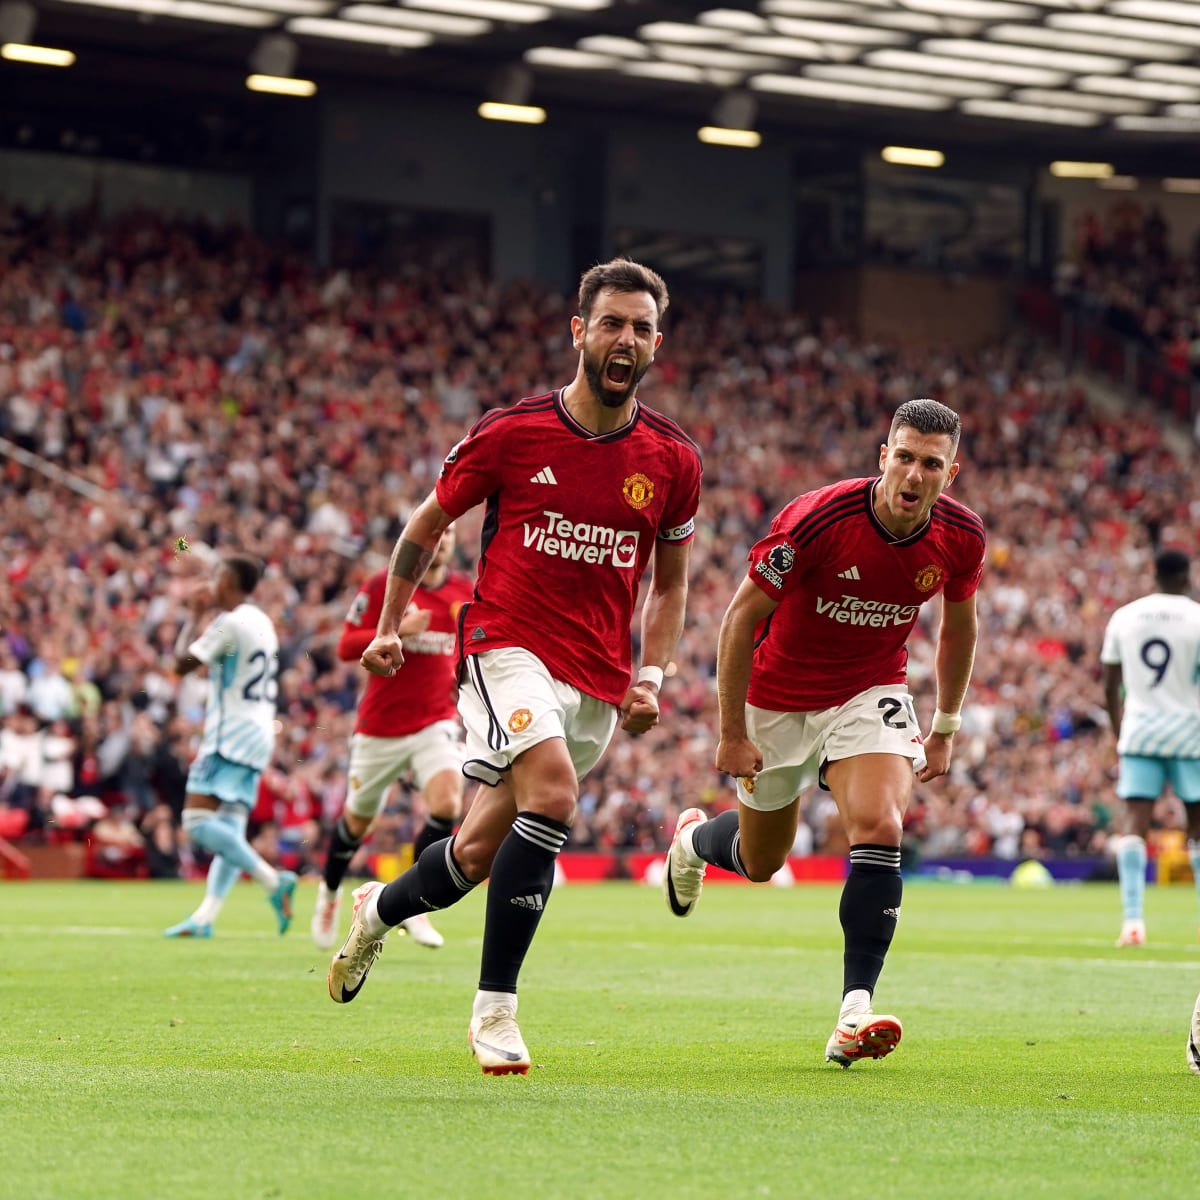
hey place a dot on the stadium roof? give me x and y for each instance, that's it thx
(1118, 77)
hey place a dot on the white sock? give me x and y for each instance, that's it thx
(857, 1001)
(486, 1000)
(208, 911)
(369, 915)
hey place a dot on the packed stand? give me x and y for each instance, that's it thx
(206, 394)
(1123, 274)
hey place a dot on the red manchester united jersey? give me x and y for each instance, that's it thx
(424, 689)
(570, 525)
(849, 592)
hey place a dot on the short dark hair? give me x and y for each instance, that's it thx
(1172, 566)
(247, 571)
(928, 416)
(621, 275)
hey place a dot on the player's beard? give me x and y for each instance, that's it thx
(602, 390)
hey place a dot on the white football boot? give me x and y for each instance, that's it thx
(349, 969)
(496, 1042)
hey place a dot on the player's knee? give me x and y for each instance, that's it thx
(558, 804)
(761, 864)
(886, 829)
(474, 856)
(197, 822)
(356, 826)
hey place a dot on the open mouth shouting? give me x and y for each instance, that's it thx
(618, 371)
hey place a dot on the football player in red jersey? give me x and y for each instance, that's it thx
(404, 723)
(811, 680)
(585, 487)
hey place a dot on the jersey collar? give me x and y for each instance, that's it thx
(884, 532)
(574, 426)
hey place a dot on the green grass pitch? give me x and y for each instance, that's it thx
(672, 1058)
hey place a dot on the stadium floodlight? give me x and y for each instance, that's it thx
(1028, 56)
(912, 156)
(1168, 73)
(1087, 43)
(1038, 114)
(680, 31)
(568, 59)
(189, 10)
(1157, 10)
(748, 22)
(905, 80)
(359, 31)
(492, 10)
(273, 66)
(733, 122)
(779, 46)
(967, 68)
(1140, 89)
(1167, 125)
(974, 10)
(405, 18)
(668, 72)
(1065, 169)
(509, 91)
(711, 56)
(619, 47)
(1100, 104)
(832, 31)
(827, 89)
(279, 85)
(17, 23)
(520, 114)
(1160, 31)
(715, 135)
(41, 56)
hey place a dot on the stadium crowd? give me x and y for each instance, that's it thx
(204, 392)
(1124, 275)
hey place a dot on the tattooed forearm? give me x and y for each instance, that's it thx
(410, 561)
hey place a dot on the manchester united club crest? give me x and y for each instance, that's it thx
(928, 578)
(518, 720)
(747, 781)
(637, 490)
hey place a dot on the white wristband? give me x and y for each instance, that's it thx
(652, 675)
(944, 722)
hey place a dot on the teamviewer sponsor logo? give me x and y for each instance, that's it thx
(581, 541)
(850, 610)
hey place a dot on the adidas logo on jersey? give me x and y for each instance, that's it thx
(849, 573)
(545, 475)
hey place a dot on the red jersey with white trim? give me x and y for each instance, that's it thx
(849, 591)
(570, 526)
(425, 689)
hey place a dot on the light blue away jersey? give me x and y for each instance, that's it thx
(241, 651)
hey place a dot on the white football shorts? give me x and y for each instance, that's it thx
(377, 762)
(796, 746)
(509, 702)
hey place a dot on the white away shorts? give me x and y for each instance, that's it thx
(796, 746)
